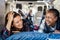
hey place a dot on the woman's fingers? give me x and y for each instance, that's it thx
(10, 16)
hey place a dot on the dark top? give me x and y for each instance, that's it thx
(48, 29)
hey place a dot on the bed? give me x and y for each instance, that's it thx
(34, 36)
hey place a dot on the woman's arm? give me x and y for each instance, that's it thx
(10, 19)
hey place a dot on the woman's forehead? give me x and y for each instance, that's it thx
(17, 17)
(50, 13)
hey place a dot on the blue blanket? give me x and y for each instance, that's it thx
(33, 36)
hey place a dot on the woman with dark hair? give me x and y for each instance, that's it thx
(51, 20)
(13, 24)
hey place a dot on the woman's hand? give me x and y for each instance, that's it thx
(10, 16)
(10, 19)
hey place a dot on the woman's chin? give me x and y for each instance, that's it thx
(48, 24)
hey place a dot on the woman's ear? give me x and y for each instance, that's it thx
(56, 19)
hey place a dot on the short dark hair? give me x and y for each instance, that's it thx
(54, 11)
(58, 25)
(56, 14)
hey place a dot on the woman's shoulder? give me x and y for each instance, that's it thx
(5, 33)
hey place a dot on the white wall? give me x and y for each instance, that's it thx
(2, 11)
(57, 4)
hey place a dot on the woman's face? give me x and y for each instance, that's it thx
(50, 19)
(17, 22)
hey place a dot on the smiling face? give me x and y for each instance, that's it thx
(17, 22)
(50, 19)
